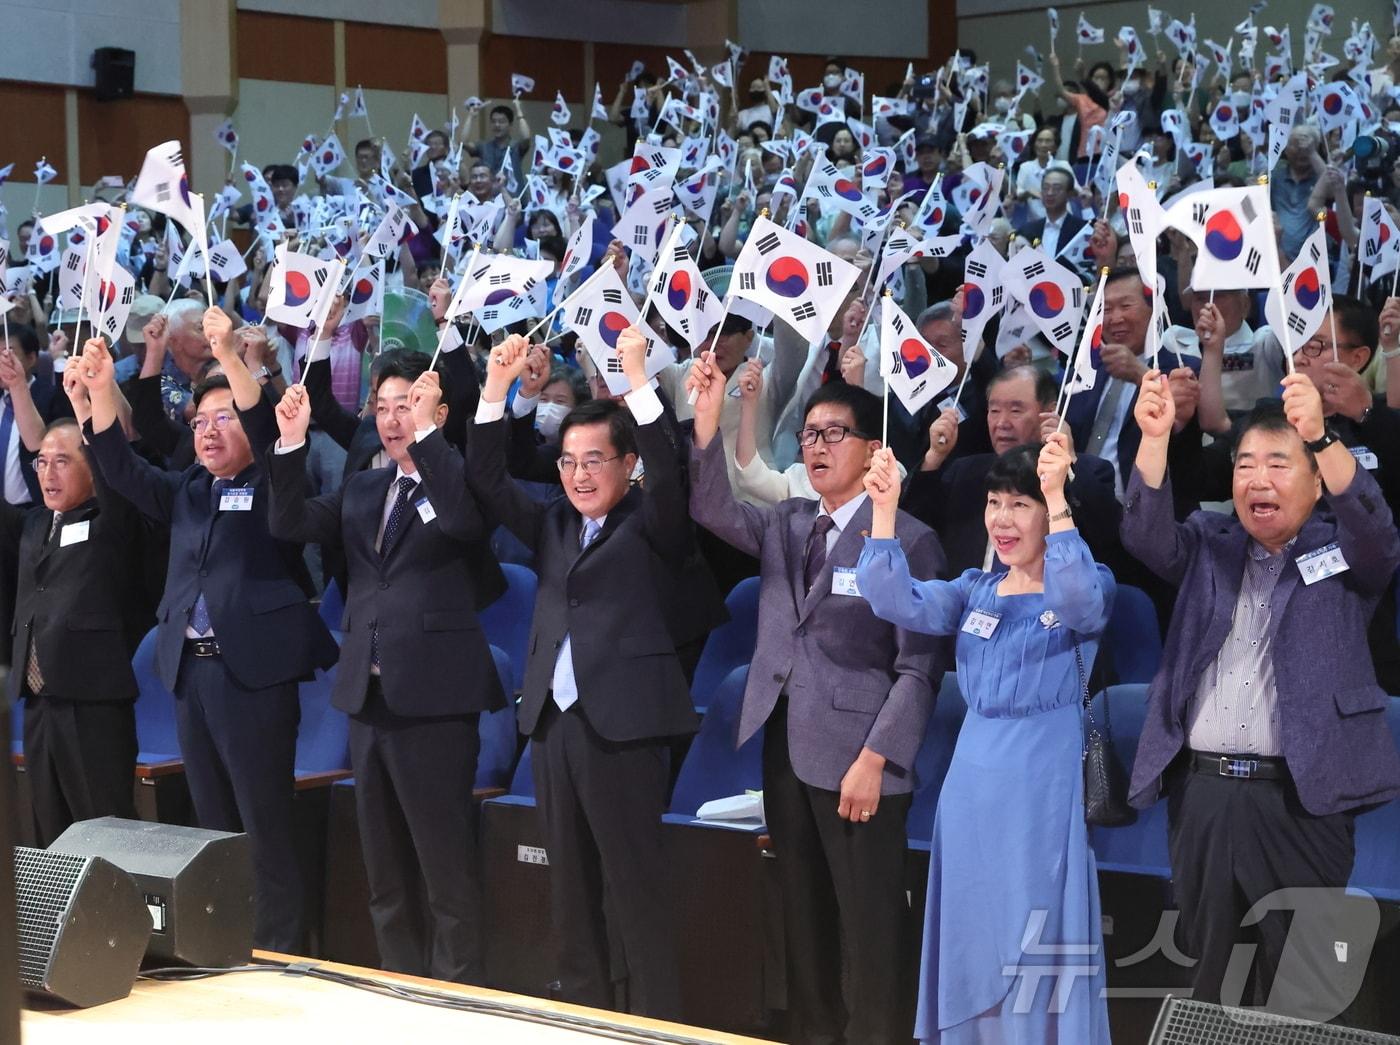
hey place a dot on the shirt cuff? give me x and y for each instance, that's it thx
(320, 349)
(451, 338)
(644, 403)
(488, 412)
(523, 406)
(280, 449)
(422, 433)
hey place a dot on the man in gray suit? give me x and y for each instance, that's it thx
(1265, 726)
(844, 697)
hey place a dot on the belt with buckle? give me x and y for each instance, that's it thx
(1239, 767)
(203, 647)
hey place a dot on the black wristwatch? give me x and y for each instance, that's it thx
(1329, 436)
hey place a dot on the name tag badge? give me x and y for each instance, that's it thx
(1365, 458)
(981, 623)
(1321, 564)
(425, 509)
(236, 499)
(843, 581)
(73, 533)
(948, 403)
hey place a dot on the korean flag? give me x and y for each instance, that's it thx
(799, 282)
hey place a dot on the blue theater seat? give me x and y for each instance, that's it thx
(498, 734)
(332, 608)
(156, 736)
(931, 763)
(507, 620)
(729, 645)
(323, 736)
(713, 768)
(1377, 867)
(1132, 638)
(1140, 848)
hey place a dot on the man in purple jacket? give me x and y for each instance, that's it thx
(1265, 726)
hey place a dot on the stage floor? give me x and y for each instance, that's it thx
(269, 1008)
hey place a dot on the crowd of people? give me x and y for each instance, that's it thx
(210, 472)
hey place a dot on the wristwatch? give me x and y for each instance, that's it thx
(1066, 514)
(1316, 446)
(266, 372)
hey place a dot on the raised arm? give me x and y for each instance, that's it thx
(440, 466)
(667, 525)
(292, 515)
(486, 448)
(712, 501)
(1210, 330)
(1150, 531)
(27, 419)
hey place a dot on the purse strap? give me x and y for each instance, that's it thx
(1107, 733)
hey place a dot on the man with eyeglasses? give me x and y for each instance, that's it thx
(235, 632)
(81, 609)
(843, 699)
(415, 670)
(604, 695)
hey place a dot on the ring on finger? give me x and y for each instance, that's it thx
(865, 814)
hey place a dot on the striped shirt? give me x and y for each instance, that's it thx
(1235, 710)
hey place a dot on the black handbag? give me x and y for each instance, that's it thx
(1105, 782)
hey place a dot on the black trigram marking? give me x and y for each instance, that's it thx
(614, 365)
(803, 311)
(824, 191)
(128, 296)
(1076, 298)
(1135, 221)
(612, 296)
(659, 283)
(918, 389)
(684, 324)
(746, 281)
(1316, 254)
(1296, 322)
(321, 276)
(1247, 207)
(582, 317)
(1199, 212)
(218, 259)
(480, 272)
(641, 235)
(1062, 331)
(897, 323)
(1252, 260)
(163, 193)
(996, 295)
(702, 299)
(976, 268)
(896, 364)
(528, 285)
(769, 243)
(1288, 281)
(824, 278)
(72, 261)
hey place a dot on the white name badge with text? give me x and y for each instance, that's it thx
(1365, 458)
(236, 499)
(949, 403)
(981, 623)
(73, 533)
(1321, 564)
(843, 581)
(425, 509)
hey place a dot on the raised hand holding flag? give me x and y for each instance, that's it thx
(913, 369)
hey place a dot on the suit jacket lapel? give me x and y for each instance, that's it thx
(799, 529)
(845, 551)
(79, 514)
(410, 512)
(616, 518)
(1312, 536)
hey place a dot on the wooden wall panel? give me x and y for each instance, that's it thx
(32, 128)
(396, 58)
(113, 136)
(285, 47)
(611, 63)
(555, 65)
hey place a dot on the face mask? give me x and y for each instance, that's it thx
(1131, 87)
(1002, 105)
(548, 417)
(831, 81)
(756, 96)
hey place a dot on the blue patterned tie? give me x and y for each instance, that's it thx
(391, 530)
(199, 616)
(565, 685)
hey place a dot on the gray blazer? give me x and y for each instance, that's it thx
(852, 680)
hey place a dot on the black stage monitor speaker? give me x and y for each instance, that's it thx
(1182, 1022)
(198, 885)
(114, 70)
(83, 927)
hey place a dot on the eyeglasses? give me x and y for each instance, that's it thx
(590, 465)
(1315, 346)
(829, 434)
(57, 464)
(219, 421)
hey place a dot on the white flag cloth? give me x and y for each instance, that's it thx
(1084, 367)
(653, 166)
(295, 288)
(579, 251)
(44, 171)
(226, 261)
(905, 245)
(875, 168)
(1336, 106)
(226, 136)
(521, 84)
(1295, 309)
(366, 296)
(799, 282)
(933, 211)
(1028, 80)
(983, 294)
(329, 156)
(508, 290)
(913, 369)
(358, 106)
(390, 232)
(1088, 34)
(600, 111)
(164, 186)
(1233, 230)
(642, 227)
(113, 300)
(697, 193)
(1380, 239)
(827, 184)
(1053, 293)
(1225, 120)
(680, 293)
(559, 115)
(1143, 216)
(598, 312)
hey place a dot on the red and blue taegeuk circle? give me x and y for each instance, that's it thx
(498, 296)
(678, 290)
(1224, 238)
(610, 325)
(1306, 290)
(915, 357)
(298, 288)
(787, 277)
(1047, 300)
(973, 300)
(847, 190)
(364, 290)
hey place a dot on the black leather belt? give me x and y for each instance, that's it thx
(203, 647)
(1239, 767)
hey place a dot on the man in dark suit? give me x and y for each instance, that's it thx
(604, 694)
(1265, 726)
(1060, 225)
(81, 611)
(415, 671)
(235, 630)
(20, 484)
(843, 698)
(951, 496)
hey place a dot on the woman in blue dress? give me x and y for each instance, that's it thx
(1013, 951)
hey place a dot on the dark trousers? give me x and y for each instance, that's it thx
(843, 892)
(602, 804)
(1232, 844)
(413, 794)
(239, 747)
(80, 757)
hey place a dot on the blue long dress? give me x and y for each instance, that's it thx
(1013, 949)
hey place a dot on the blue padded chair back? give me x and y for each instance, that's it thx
(507, 620)
(935, 755)
(323, 738)
(1377, 866)
(1140, 848)
(498, 736)
(713, 768)
(729, 645)
(332, 608)
(156, 736)
(1132, 638)
(17, 727)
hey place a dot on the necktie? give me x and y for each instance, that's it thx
(565, 684)
(32, 675)
(199, 616)
(816, 549)
(7, 424)
(1103, 420)
(832, 370)
(391, 529)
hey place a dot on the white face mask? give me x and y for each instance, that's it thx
(1002, 104)
(548, 417)
(831, 81)
(1131, 87)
